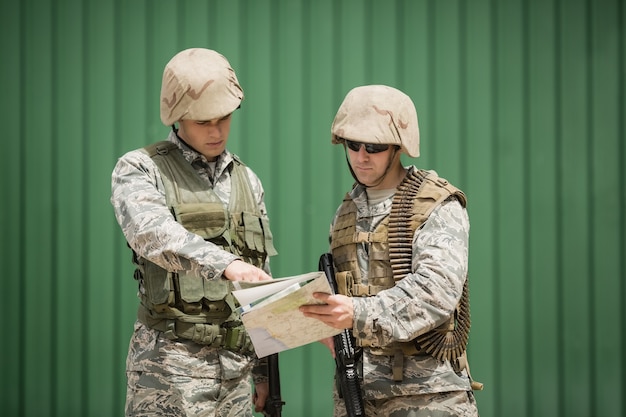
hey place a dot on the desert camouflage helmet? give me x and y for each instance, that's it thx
(198, 84)
(378, 114)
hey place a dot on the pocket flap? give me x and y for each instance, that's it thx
(207, 220)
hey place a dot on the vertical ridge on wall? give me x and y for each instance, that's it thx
(67, 145)
(15, 249)
(412, 71)
(429, 131)
(383, 44)
(342, 47)
(130, 130)
(558, 206)
(588, 86)
(54, 211)
(510, 205)
(38, 251)
(621, 69)
(498, 379)
(309, 381)
(542, 198)
(444, 100)
(117, 324)
(281, 76)
(463, 103)
(479, 42)
(308, 141)
(100, 115)
(576, 308)
(86, 315)
(286, 191)
(526, 216)
(395, 19)
(320, 182)
(84, 221)
(604, 97)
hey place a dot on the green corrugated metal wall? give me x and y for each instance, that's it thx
(521, 103)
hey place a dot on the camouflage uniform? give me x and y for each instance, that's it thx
(418, 303)
(387, 318)
(178, 377)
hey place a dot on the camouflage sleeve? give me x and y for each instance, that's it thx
(138, 199)
(425, 298)
(260, 371)
(257, 190)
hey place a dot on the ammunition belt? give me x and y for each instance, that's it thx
(400, 235)
(448, 341)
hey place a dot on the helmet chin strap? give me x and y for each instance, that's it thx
(175, 130)
(382, 177)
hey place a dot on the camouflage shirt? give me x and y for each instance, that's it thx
(421, 301)
(139, 202)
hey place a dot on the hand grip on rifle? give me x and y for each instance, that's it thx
(345, 354)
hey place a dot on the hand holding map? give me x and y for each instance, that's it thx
(271, 316)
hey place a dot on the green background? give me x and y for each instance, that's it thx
(520, 102)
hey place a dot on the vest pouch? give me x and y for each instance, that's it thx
(215, 293)
(208, 220)
(191, 293)
(243, 237)
(157, 283)
(216, 289)
(343, 236)
(344, 282)
(269, 239)
(196, 292)
(253, 232)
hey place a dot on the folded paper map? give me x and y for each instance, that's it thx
(269, 310)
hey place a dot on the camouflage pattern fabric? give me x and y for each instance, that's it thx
(421, 301)
(198, 84)
(440, 404)
(182, 378)
(378, 114)
(140, 209)
(173, 377)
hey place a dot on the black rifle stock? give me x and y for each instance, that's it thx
(274, 404)
(345, 354)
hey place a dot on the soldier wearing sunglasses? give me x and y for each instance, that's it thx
(399, 241)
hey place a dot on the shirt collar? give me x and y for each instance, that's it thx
(194, 157)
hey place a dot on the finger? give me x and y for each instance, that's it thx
(311, 310)
(259, 404)
(264, 276)
(322, 296)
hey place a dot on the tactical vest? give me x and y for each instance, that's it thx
(390, 257)
(188, 306)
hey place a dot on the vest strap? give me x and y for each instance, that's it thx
(361, 290)
(370, 237)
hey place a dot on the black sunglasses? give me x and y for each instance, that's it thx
(369, 147)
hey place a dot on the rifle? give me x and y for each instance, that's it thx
(274, 404)
(345, 354)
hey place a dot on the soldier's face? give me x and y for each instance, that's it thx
(207, 137)
(369, 168)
